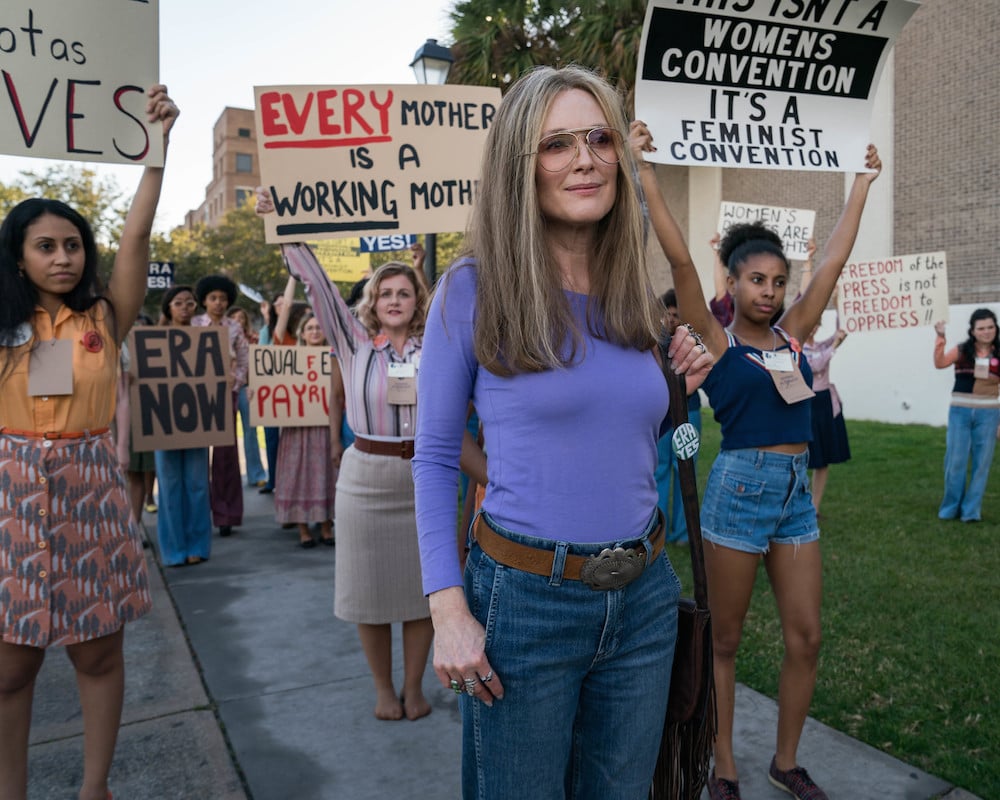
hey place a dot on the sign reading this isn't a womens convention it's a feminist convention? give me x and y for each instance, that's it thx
(355, 160)
(764, 84)
(75, 76)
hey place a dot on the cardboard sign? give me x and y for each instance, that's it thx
(764, 84)
(341, 259)
(182, 388)
(75, 77)
(794, 225)
(352, 160)
(160, 275)
(289, 386)
(892, 293)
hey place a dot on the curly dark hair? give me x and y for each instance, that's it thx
(749, 239)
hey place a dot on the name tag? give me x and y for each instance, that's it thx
(50, 368)
(780, 361)
(398, 370)
(982, 368)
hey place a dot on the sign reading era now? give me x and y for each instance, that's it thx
(893, 293)
(75, 76)
(351, 160)
(289, 386)
(764, 84)
(181, 392)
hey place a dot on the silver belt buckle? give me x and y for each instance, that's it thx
(612, 569)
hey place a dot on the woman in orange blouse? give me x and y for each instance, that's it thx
(71, 565)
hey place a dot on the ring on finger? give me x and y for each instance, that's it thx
(456, 687)
(487, 677)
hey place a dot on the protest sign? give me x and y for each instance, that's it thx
(893, 293)
(181, 392)
(342, 259)
(75, 77)
(343, 161)
(160, 275)
(388, 244)
(764, 84)
(793, 225)
(289, 386)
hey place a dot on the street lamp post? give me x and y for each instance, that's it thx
(431, 65)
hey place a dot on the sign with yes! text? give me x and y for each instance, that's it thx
(75, 76)
(351, 160)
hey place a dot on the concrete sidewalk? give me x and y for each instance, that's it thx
(242, 684)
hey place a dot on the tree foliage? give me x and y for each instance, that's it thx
(498, 40)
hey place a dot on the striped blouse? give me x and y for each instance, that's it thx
(364, 361)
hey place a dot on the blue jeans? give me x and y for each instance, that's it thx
(972, 437)
(586, 676)
(668, 483)
(271, 438)
(251, 448)
(184, 519)
(756, 498)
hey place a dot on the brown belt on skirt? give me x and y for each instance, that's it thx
(579, 568)
(401, 449)
(52, 435)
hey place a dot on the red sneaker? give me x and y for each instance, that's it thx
(721, 789)
(796, 782)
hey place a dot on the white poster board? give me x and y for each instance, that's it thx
(75, 76)
(352, 160)
(893, 293)
(794, 225)
(764, 84)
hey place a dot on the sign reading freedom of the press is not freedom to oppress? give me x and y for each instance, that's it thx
(75, 76)
(181, 390)
(352, 160)
(764, 84)
(892, 293)
(289, 386)
(793, 225)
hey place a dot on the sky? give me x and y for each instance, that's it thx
(213, 52)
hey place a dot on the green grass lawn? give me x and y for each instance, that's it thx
(911, 609)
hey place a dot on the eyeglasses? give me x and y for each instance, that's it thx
(557, 151)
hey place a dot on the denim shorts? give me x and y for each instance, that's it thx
(586, 676)
(756, 498)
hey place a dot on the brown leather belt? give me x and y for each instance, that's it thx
(611, 569)
(402, 449)
(56, 435)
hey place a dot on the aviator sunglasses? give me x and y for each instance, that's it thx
(557, 151)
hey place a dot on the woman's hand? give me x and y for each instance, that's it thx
(264, 204)
(160, 108)
(336, 451)
(872, 161)
(939, 327)
(459, 648)
(640, 141)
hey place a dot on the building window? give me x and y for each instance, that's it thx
(242, 195)
(244, 162)
(244, 133)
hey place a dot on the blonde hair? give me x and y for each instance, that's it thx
(366, 307)
(523, 318)
(300, 329)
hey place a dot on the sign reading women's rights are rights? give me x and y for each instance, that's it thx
(352, 160)
(764, 84)
(793, 225)
(75, 76)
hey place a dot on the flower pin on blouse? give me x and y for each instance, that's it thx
(92, 342)
(380, 341)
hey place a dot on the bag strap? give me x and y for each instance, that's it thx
(685, 470)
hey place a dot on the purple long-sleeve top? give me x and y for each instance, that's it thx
(570, 452)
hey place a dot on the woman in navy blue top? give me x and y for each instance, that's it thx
(757, 503)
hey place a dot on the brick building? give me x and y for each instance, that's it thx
(235, 171)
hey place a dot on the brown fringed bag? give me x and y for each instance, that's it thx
(690, 727)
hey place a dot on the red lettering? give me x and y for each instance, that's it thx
(15, 101)
(281, 398)
(326, 127)
(300, 394)
(260, 397)
(354, 101)
(269, 115)
(118, 104)
(383, 109)
(297, 119)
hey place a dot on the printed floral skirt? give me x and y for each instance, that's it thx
(71, 561)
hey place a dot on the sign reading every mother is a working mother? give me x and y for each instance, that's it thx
(356, 160)
(764, 84)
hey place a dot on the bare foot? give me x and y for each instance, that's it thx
(415, 707)
(387, 705)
